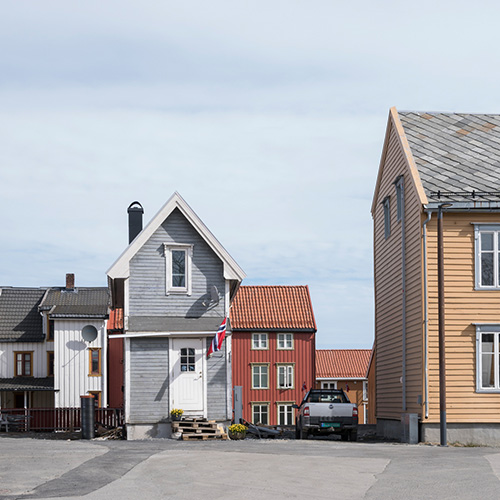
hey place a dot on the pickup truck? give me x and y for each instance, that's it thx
(326, 411)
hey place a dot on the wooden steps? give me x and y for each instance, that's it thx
(198, 429)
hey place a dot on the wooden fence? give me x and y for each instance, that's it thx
(58, 419)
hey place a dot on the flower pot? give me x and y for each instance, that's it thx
(175, 418)
(237, 435)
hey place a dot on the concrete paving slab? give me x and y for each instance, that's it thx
(27, 464)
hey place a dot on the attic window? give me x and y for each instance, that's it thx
(400, 197)
(178, 268)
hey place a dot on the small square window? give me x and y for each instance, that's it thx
(285, 341)
(259, 341)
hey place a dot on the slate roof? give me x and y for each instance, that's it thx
(455, 153)
(27, 384)
(77, 303)
(20, 320)
(342, 363)
(272, 308)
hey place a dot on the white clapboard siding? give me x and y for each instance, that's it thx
(39, 364)
(71, 362)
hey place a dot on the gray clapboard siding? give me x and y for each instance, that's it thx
(149, 394)
(148, 274)
(217, 383)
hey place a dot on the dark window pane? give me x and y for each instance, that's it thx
(486, 241)
(178, 262)
(178, 281)
(487, 269)
(487, 341)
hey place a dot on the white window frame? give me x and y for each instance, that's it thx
(259, 367)
(284, 342)
(386, 204)
(478, 230)
(328, 383)
(261, 405)
(288, 370)
(260, 341)
(288, 413)
(168, 249)
(493, 329)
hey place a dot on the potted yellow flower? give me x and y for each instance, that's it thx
(176, 414)
(237, 431)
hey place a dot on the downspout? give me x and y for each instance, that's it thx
(400, 181)
(426, 319)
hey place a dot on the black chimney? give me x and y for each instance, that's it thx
(135, 212)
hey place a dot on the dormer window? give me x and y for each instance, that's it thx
(178, 268)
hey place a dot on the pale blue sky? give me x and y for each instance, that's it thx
(267, 116)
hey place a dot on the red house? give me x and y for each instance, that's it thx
(273, 350)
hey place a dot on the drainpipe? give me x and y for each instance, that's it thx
(400, 182)
(426, 319)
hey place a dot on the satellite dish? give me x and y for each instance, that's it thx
(89, 333)
(214, 294)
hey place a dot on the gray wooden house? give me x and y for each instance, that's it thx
(175, 283)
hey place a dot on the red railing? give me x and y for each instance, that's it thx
(58, 419)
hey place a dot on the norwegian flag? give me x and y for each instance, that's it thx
(218, 339)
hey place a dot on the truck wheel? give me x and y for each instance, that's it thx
(353, 436)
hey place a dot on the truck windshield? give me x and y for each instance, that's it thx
(327, 397)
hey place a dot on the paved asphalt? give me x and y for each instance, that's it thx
(250, 469)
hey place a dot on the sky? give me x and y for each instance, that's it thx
(268, 117)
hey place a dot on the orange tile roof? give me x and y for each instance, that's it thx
(115, 321)
(342, 363)
(273, 308)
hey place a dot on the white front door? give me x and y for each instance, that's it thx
(187, 380)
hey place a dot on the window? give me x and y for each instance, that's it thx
(399, 197)
(285, 340)
(259, 340)
(94, 362)
(50, 363)
(488, 358)
(50, 330)
(365, 390)
(328, 385)
(387, 217)
(188, 359)
(285, 414)
(285, 377)
(97, 398)
(260, 413)
(487, 242)
(260, 376)
(178, 268)
(23, 364)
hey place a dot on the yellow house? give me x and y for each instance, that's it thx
(450, 163)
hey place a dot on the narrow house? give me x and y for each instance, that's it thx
(273, 351)
(175, 283)
(438, 165)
